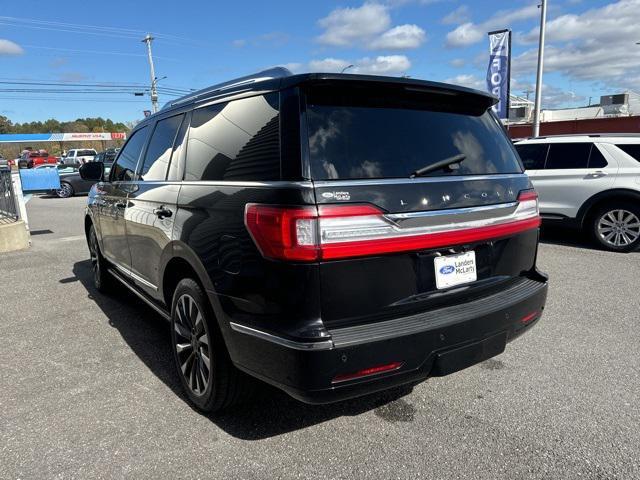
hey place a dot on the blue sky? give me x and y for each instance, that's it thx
(591, 46)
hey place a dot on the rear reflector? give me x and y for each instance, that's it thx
(529, 318)
(367, 372)
(329, 232)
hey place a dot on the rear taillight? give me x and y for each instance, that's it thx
(329, 232)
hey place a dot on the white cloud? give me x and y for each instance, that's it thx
(457, 62)
(468, 80)
(457, 16)
(401, 37)
(7, 47)
(368, 26)
(380, 65)
(552, 96)
(469, 33)
(345, 26)
(596, 46)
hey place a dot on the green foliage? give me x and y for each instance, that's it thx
(52, 125)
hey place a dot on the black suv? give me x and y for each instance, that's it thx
(332, 235)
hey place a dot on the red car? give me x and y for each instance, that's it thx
(33, 158)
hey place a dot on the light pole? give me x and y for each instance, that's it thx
(154, 92)
(536, 110)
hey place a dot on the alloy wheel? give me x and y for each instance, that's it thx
(192, 345)
(619, 227)
(95, 260)
(65, 190)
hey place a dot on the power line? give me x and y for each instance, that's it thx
(100, 30)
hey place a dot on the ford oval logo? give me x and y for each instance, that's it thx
(447, 269)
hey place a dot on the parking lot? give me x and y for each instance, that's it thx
(88, 389)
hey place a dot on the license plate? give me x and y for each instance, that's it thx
(453, 270)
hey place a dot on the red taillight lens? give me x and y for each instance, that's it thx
(285, 233)
(329, 232)
(366, 372)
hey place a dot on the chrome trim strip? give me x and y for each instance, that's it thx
(274, 183)
(135, 276)
(440, 217)
(405, 181)
(321, 345)
(141, 296)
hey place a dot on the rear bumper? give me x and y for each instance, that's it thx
(433, 343)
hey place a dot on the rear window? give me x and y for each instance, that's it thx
(631, 149)
(354, 136)
(86, 153)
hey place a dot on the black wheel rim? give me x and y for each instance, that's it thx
(192, 345)
(95, 260)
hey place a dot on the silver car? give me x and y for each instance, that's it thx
(588, 181)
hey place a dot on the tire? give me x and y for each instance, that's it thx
(102, 280)
(65, 191)
(208, 376)
(616, 227)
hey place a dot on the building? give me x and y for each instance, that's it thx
(619, 113)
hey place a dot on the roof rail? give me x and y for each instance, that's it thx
(269, 74)
(563, 135)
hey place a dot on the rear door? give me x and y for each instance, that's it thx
(114, 198)
(394, 242)
(153, 202)
(573, 172)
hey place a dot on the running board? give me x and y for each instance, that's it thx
(163, 313)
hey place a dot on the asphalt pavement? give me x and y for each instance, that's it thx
(88, 389)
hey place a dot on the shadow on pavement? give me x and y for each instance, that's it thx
(271, 413)
(566, 236)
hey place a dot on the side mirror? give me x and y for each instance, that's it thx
(92, 171)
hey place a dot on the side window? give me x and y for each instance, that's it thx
(160, 148)
(533, 155)
(125, 167)
(596, 159)
(568, 155)
(631, 149)
(174, 166)
(238, 140)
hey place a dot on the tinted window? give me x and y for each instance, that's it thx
(363, 137)
(568, 155)
(533, 155)
(631, 149)
(596, 159)
(238, 140)
(160, 148)
(174, 173)
(124, 169)
(86, 153)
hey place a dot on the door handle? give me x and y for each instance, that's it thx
(162, 212)
(597, 174)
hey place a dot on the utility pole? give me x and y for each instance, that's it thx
(536, 110)
(154, 91)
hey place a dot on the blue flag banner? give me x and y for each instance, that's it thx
(499, 70)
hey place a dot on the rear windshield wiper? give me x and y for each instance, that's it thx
(445, 162)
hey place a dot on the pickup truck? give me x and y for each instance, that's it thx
(79, 156)
(33, 158)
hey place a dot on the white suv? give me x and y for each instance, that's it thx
(79, 155)
(590, 182)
